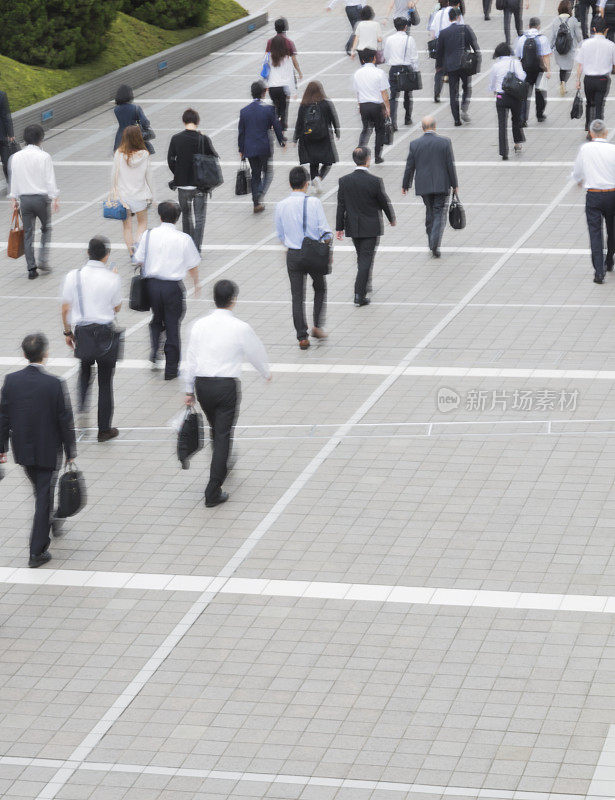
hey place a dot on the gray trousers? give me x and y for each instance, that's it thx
(194, 209)
(33, 206)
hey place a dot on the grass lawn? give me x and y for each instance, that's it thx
(128, 40)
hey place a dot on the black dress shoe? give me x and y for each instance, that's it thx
(435, 251)
(170, 376)
(32, 274)
(104, 436)
(458, 124)
(39, 560)
(609, 266)
(504, 158)
(599, 279)
(221, 498)
(487, 17)
(361, 301)
(408, 121)
(379, 160)
(541, 118)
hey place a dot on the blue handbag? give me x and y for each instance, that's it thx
(113, 209)
(266, 70)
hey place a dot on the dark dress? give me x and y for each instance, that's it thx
(322, 151)
(130, 114)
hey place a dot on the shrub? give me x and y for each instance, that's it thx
(169, 14)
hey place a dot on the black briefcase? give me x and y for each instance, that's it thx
(576, 112)
(243, 180)
(456, 214)
(71, 492)
(432, 46)
(190, 437)
(470, 62)
(138, 299)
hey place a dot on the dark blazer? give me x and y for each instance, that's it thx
(182, 148)
(361, 199)
(431, 157)
(128, 114)
(255, 122)
(321, 151)
(6, 122)
(35, 412)
(452, 41)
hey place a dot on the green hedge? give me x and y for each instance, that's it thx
(169, 14)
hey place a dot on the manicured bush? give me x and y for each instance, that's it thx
(169, 14)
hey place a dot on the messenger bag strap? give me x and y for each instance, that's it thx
(304, 214)
(80, 296)
(147, 233)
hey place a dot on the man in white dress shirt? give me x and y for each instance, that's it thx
(400, 53)
(34, 190)
(594, 170)
(595, 61)
(167, 255)
(372, 89)
(219, 344)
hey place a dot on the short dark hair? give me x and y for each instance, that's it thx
(280, 25)
(367, 12)
(124, 94)
(534, 22)
(169, 211)
(34, 347)
(598, 24)
(34, 134)
(502, 49)
(225, 292)
(98, 248)
(565, 7)
(190, 117)
(360, 156)
(297, 177)
(367, 55)
(401, 23)
(258, 90)
(454, 13)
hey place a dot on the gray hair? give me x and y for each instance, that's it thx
(428, 123)
(598, 128)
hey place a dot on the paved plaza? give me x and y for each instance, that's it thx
(411, 592)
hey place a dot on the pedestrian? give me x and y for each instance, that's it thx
(506, 62)
(594, 170)
(218, 346)
(295, 218)
(361, 199)
(316, 122)
(280, 27)
(566, 37)
(372, 89)
(606, 9)
(595, 61)
(453, 42)
(129, 113)
(36, 416)
(439, 22)
(167, 255)
(35, 192)
(91, 297)
(581, 10)
(281, 78)
(401, 8)
(131, 184)
(255, 122)
(431, 158)
(180, 158)
(7, 135)
(367, 34)
(534, 50)
(353, 12)
(513, 8)
(400, 52)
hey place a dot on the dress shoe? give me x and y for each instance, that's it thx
(32, 274)
(258, 208)
(487, 17)
(609, 265)
(436, 98)
(598, 279)
(304, 344)
(104, 436)
(435, 251)
(542, 118)
(170, 376)
(221, 498)
(504, 158)
(57, 527)
(39, 560)
(318, 333)
(361, 301)
(408, 121)
(379, 160)
(458, 123)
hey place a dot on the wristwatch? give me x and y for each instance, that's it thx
(68, 332)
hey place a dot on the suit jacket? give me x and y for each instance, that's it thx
(431, 157)
(35, 412)
(6, 122)
(361, 199)
(255, 122)
(452, 41)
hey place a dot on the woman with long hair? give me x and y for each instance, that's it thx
(132, 184)
(316, 122)
(281, 78)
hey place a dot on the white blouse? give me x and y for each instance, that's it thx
(132, 181)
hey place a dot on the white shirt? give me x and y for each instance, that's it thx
(31, 171)
(101, 291)
(283, 74)
(595, 165)
(368, 31)
(542, 43)
(170, 253)
(441, 20)
(219, 344)
(289, 220)
(499, 70)
(369, 82)
(346, 3)
(131, 180)
(596, 55)
(394, 47)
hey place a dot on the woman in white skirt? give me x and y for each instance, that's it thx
(132, 184)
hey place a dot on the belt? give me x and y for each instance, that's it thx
(601, 190)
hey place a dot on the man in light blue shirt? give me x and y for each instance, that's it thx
(289, 214)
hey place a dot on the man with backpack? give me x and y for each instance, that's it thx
(595, 61)
(534, 50)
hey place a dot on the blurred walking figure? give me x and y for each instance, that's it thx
(316, 121)
(353, 12)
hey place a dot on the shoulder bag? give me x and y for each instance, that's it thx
(432, 46)
(456, 213)
(206, 168)
(470, 61)
(315, 253)
(138, 299)
(513, 85)
(146, 132)
(96, 341)
(15, 244)
(407, 78)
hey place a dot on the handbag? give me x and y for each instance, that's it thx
(432, 47)
(72, 495)
(138, 299)
(15, 248)
(114, 209)
(243, 181)
(146, 132)
(13, 147)
(407, 78)
(315, 253)
(190, 437)
(513, 85)
(456, 213)
(388, 131)
(470, 61)
(96, 341)
(206, 168)
(576, 112)
(266, 68)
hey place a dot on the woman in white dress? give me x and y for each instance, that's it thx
(132, 184)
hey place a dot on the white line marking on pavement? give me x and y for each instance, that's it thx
(275, 163)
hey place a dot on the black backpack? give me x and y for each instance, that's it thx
(315, 126)
(530, 60)
(609, 11)
(563, 39)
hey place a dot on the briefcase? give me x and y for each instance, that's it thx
(456, 214)
(576, 112)
(71, 492)
(470, 62)
(243, 181)
(138, 299)
(432, 46)
(14, 247)
(190, 437)
(388, 131)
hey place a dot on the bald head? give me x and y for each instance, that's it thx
(428, 123)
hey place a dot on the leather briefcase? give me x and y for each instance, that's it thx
(15, 244)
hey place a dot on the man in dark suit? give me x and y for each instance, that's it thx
(452, 43)
(35, 413)
(361, 199)
(254, 141)
(431, 157)
(6, 132)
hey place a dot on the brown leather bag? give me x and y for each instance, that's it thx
(15, 243)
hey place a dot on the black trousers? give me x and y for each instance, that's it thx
(394, 94)
(541, 97)
(503, 104)
(279, 98)
(516, 12)
(435, 217)
(486, 8)
(454, 78)
(297, 276)
(581, 9)
(219, 399)
(43, 485)
(168, 309)
(193, 204)
(4, 157)
(438, 82)
(354, 15)
(596, 89)
(318, 171)
(564, 74)
(262, 175)
(600, 206)
(372, 116)
(106, 369)
(366, 251)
